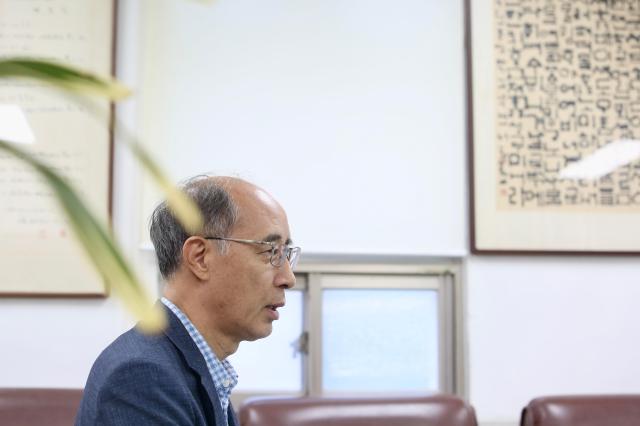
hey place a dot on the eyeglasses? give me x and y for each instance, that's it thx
(279, 252)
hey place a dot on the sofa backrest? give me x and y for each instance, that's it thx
(431, 410)
(584, 410)
(31, 407)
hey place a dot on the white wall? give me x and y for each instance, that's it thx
(347, 110)
(550, 325)
(352, 113)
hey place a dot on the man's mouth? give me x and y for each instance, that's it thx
(275, 306)
(273, 309)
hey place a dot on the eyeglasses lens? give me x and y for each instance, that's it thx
(282, 252)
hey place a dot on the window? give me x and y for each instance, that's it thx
(359, 329)
(378, 340)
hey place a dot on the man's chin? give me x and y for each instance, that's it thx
(260, 334)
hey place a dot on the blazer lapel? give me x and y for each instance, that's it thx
(180, 337)
(233, 420)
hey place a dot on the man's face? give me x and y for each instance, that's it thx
(245, 290)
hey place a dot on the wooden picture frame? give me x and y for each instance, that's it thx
(39, 254)
(549, 84)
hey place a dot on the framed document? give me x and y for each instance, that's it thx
(552, 85)
(39, 255)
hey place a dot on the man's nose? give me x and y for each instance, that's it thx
(285, 277)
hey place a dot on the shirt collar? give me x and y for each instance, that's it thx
(224, 376)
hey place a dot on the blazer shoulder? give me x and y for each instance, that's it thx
(149, 379)
(134, 345)
(143, 391)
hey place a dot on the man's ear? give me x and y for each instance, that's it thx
(194, 255)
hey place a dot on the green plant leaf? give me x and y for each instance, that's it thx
(78, 81)
(63, 76)
(183, 207)
(94, 238)
(98, 244)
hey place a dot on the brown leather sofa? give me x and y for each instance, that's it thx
(36, 407)
(592, 410)
(432, 410)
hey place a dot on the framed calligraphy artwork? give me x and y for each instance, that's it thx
(554, 119)
(39, 255)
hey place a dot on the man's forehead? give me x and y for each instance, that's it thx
(258, 209)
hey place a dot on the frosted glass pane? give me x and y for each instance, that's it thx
(270, 364)
(380, 340)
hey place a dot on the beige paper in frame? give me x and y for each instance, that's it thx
(39, 256)
(563, 228)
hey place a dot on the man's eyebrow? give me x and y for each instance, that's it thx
(276, 237)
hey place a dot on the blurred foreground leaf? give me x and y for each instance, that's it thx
(98, 244)
(96, 241)
(63, 76)
(183, 207)
(84, 83)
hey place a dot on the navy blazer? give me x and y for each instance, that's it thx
(152, 380)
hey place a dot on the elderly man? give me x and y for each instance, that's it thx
(223, 286)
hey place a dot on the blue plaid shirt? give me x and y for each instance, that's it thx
(223, 374)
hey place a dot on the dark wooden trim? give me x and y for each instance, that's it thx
(540, 253)
(112, 111)
(19, 295)
(470, 156)
(111, 124)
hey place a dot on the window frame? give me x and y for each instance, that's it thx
(447, 281)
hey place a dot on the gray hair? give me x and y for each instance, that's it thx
(218, 209)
